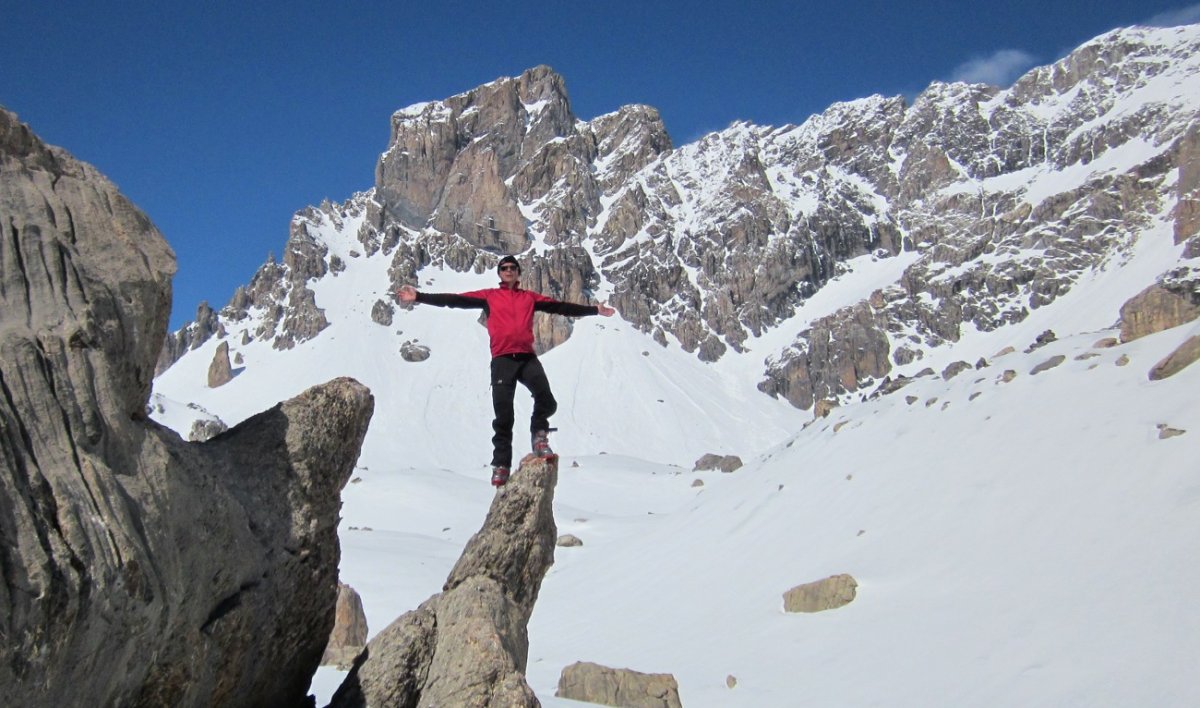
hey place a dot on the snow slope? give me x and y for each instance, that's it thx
(1020, 543)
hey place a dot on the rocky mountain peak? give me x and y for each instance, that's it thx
(448, 164)
(1001, 198)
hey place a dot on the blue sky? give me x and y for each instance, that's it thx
(222, 119)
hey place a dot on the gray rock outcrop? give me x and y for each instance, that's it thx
(724, 463)
(350, 630)
(220, 371)
(141, 570)
(382, 313)
(842, 352)
(468, 645)
(828, 594)
(189, 337)
(205, 429)
(1187, 189)
(1157, 308)
(593, 683)
(411, 351)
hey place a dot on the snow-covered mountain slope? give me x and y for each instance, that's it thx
(619, 391)
(1020, 543)
(1000, 200)
(1018, 538)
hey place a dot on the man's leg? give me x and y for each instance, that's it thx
(533, 376)
(504, 388)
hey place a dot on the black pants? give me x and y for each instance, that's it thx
(507, 370)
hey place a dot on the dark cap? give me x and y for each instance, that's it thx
(509, 259)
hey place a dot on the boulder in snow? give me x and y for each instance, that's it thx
(828, 594)
(593, 683)
(1183, 356)
(725, 463)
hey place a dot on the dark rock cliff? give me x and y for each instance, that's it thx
(138, 569)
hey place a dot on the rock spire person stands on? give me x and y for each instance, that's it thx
(510, 311)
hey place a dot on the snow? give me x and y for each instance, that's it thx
(1029, 546)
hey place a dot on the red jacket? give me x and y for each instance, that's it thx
(510, 313)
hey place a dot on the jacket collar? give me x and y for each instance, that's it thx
(514, 287)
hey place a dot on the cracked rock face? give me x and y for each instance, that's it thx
(468, 645)
(141, 570)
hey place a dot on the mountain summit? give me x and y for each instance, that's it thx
(995, 202)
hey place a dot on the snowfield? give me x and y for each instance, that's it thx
(1015, 543)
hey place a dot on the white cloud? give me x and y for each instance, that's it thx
(1171, 18)
(1000, 68)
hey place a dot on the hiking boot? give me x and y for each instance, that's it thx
(499, 476)
(541, 444)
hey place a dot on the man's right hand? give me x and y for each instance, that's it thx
(407, 293)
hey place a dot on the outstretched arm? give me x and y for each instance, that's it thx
(409, 294)
(570, 309)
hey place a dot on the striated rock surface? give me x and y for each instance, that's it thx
(141, 570)
(468, 645)
(594, 683)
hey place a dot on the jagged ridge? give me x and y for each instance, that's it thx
(1004, 197)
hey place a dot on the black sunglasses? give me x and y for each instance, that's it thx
(509, 267)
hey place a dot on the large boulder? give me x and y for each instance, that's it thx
(593, 683)
(220, 371)
(468, 645)
(139, 569)
(1155, 309)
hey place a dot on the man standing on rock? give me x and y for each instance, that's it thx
(509, 311)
